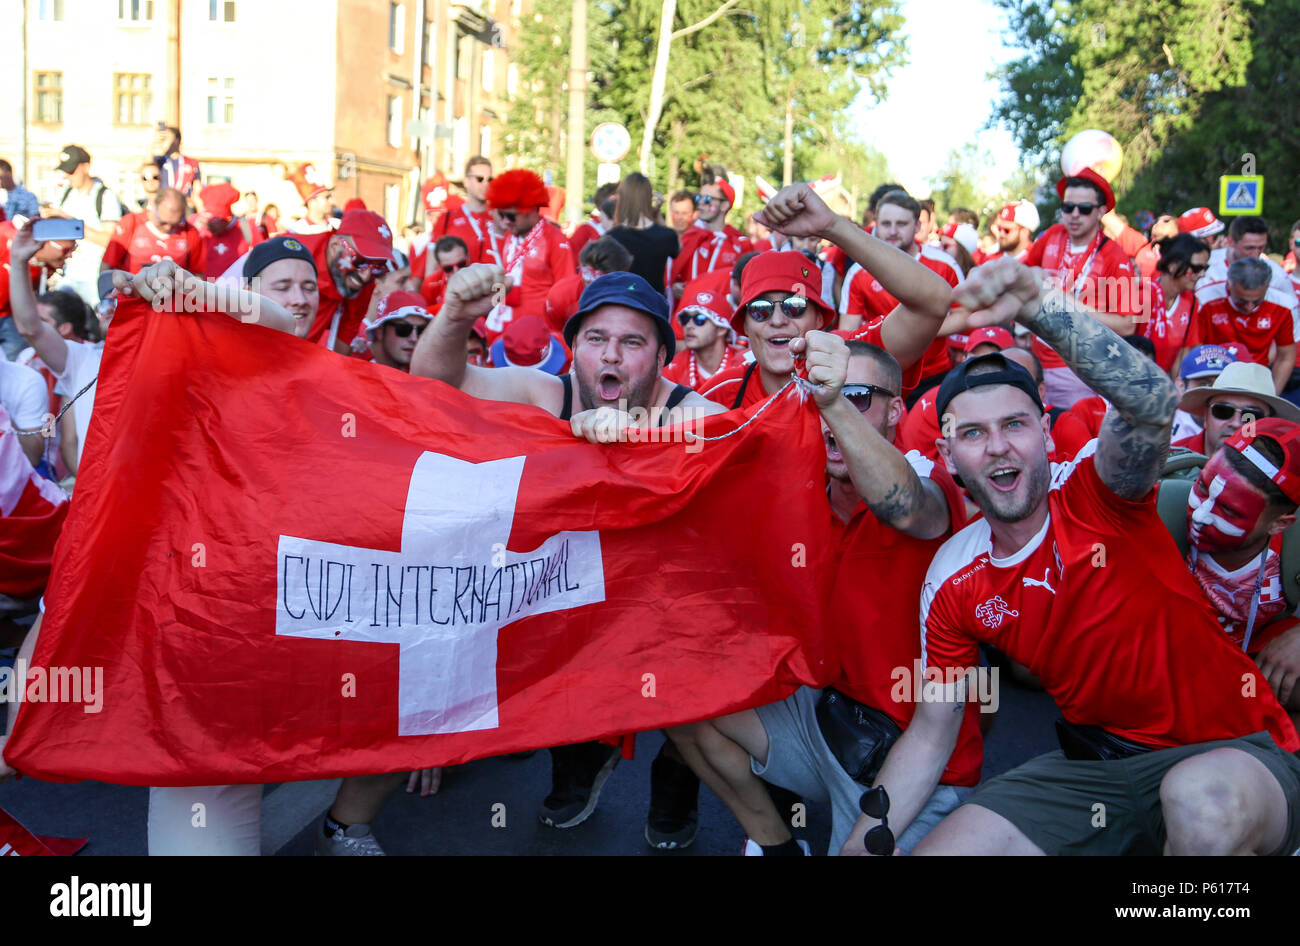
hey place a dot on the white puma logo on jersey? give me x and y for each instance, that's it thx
(1047, 573)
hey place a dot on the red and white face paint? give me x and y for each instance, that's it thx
(1222, 508)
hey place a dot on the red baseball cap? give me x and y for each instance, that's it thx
(992, 333)
(527, 343)
(1199, 222)
(355, 203)
(1286, 434)
(1022, 213)
(728, 191)
(219, 199)
(394, 306)
(373, 238)
(1092, 177)
(777, 271)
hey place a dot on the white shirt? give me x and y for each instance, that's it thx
(23, 395)
(82, 270)
(82, 366)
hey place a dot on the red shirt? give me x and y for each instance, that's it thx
(1217, 322)
(223, 250)
(535, 262)
(1135, 650)
(1078, 425)
(865, 296)
(583, 234)
(474, 228)
(334, 310)
(704, 251)
(137, 243)
(873, 610)
(562, 302)
(7, 233)
(1195, 443)
(432, 289)
(685, 368)
(1167, 328)
(1100, 276)
(920, 428)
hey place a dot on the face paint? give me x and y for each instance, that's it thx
(1222, 508)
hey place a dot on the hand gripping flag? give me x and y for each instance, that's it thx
(292, 565)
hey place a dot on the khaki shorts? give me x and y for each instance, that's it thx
(1110, 808)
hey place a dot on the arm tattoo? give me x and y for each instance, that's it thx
(911, 506)
(1135, 434)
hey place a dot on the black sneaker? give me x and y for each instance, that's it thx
(578, 773)
(674, 804)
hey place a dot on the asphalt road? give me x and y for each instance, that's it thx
(459, 819)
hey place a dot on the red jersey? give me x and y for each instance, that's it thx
(336, 316)
(475, 228)
(7, 233)
(1218, 322)
(137, 243)
(1077, 426)
(865, 296)
(920, 428)
(1195, 443)
(233, 243)
(725, 386)
(705, 251)
(432, 289)
(873, 607)
(1167, 327)
(1135, 650)
(1100, 276)
(686, 369)
(562, 302)
(535, 262)
(583, 234)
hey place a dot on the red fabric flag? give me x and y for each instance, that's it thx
(32, 511)
(17, 841)
(292, 565)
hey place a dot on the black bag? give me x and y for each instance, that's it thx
(1094, 744)
(858, 736)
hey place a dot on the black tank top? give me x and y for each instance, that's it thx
(566, 412)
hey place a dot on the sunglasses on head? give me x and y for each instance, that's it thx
(794, 307)
(860, 395)
(1224, 411)
(1085, 209)
(404, 329)
(686, 318)
(875, 804)
(450, 268)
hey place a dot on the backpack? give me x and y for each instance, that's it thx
(101, 190)
(1171, 505)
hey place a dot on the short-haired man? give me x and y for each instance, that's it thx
(1090, 266)
(710, 243)
(450, 255)
(471, 220)
(283, 270)
(395, 330)
(19, 201)
(1027, 579)
(1014, 227)
(1247, 309)
(1242, 392)
(46, 258)
(319, 209)
(158, 232)
(1247, 238)
(536, 253)
(85, 198)
(787, 289)
(865, 300)
(598, 257)
(178, 172)
(892, 511)
(707, 340)
(150, 184)
(226, 236)
(681, 211)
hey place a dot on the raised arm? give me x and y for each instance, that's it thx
(881, 474)
(162, 284)
(49, 345)
(1135, 435)
(923, 295)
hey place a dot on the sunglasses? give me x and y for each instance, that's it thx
(480, 178)
(860, 395)
(794, 307)
(1222, 411)
(450, 268)
(1197, 268)
(1068, 208)
(404, 329)
(704, 199)
(508, 215)
(875, 804)
(150, 177)
(686, 318)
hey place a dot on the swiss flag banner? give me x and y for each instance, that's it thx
(292, 565)
(17, 841)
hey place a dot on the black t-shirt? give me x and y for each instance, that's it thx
(650, 249)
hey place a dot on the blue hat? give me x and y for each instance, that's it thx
(625, 289)
(1205, 361)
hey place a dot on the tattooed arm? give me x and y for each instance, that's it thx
(1135, 435)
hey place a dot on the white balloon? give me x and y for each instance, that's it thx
(1094, 149)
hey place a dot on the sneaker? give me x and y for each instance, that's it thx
(356, 841)
(674, 804)
(578, 773)
(753, 849)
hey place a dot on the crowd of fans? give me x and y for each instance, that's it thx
(1077, 448)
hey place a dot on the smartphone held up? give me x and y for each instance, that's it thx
(58, 228)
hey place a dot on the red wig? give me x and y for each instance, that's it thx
(517, 188)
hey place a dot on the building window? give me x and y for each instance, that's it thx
(221, 11)
(49, 10)
(394, 121)
(396, 27)
(132, 98)
(49, 98)
(135, 10)
(221, 101)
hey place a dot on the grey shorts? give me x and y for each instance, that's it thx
(798, 759)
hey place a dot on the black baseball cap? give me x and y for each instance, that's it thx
(272, 250)
(71, 158)
(1004, 371)
(625, 289)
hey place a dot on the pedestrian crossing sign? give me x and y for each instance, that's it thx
(1241, 194)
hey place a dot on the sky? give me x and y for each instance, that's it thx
(952, 45)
